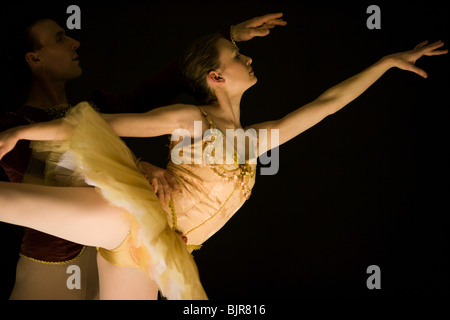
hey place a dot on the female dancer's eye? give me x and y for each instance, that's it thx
(237, 56)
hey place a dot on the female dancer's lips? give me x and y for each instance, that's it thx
(252, 72)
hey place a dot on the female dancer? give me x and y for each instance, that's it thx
(126, 220)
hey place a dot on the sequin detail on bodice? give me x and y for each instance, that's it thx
(211, 192)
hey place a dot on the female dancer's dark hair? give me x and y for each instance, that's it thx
(201, 57)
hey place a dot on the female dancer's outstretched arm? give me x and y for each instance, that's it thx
(340, 95)
(157, 122)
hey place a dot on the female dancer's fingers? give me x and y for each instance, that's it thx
(420, 45)
(160, 190)
(154, 183)
(432, 46)
(415, 69)
(431, 49)
(172, 182)
(436, 52)
(260, 32)
(277, 22)
(268, 26)
(258, 21)
(166, 188)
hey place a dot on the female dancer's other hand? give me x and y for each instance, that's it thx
(8, 140)
(163, 182)
(406, 60)
(257, 27)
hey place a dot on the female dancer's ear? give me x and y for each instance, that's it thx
(215, 77)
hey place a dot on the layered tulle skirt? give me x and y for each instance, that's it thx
(97, 155)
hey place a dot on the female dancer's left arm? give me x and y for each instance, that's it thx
(156, 122)
(343, 93)
(44, 131)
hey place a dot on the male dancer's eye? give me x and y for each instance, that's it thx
(60, 38)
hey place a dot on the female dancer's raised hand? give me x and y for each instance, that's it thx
(257, 27)
(406, 60)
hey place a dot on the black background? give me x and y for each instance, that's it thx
(366, 186)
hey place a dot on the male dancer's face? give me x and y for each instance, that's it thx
(57, 58)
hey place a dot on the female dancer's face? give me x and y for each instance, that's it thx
(235, 68)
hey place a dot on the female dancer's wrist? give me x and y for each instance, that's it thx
(387, 62)
(44, 131)
(17, 133)
(24, 132)
(233, 37)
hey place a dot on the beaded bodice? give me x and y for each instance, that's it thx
(211, 192)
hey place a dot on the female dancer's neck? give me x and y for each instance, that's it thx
(228, 108)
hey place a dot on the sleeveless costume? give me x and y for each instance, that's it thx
(209, 196)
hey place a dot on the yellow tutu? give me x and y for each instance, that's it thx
(105, 162)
